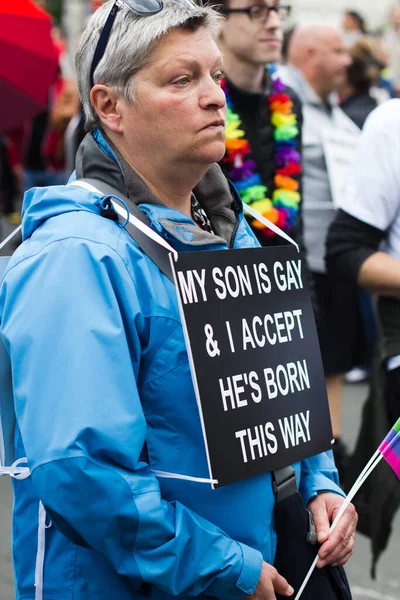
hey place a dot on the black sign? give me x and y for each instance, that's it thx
(255, 359)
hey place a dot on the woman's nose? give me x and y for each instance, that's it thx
(212, 95)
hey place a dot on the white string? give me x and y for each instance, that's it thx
(15, 470)
(166, 475)
(160, 240)
(10, 237)
(269, 224)
(143, 227)
(41, 547)
(373, 462)
(132, 219)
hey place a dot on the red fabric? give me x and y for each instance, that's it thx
(27, 34)
(290, 170)
(279, 98)
(25, 8)
(96, 4)
(20, 69)
(29, 61)
(16, 107)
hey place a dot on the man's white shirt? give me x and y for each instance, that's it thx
(374, 192)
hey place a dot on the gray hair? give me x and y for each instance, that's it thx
(130, 46)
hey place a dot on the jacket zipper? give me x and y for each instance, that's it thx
(234, 232)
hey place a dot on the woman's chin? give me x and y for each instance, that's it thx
(213, 153)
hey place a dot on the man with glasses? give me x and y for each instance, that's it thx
(264, 117)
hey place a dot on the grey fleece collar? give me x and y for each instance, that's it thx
(213, 191)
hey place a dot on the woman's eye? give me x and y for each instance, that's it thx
(182, 81)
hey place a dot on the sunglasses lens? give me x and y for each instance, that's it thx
(191, 2)
(142, 7)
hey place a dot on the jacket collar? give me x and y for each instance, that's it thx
(98, 159)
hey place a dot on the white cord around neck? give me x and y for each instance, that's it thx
(269, 225)
(132, 219)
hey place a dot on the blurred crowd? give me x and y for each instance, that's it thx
(42, 152)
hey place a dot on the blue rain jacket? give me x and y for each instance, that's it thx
(103, 398)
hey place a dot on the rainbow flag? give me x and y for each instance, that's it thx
(390, 448)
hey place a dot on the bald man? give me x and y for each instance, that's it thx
(319, 54)
(317, 64)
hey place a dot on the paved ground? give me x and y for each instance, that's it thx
(387, 586)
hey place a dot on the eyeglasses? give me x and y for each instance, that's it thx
(261, 12)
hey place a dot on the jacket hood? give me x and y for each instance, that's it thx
(98, 159)
(41, 204)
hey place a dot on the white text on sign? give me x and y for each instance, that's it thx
(241, 281)
(237, 390)
(261, 440)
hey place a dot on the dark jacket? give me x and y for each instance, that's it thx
(358, 107)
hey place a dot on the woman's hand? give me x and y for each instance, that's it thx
(269, 583)
(337, 547)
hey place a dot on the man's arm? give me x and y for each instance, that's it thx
(380, 273)
(353, 254)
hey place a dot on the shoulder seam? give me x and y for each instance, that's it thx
(70, 237)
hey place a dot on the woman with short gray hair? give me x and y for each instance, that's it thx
(106, 409)
(130, 46)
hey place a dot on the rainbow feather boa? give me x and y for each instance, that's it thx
(283, 206)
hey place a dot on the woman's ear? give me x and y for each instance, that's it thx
(106, 103)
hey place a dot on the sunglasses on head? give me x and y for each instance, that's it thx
(141, 8)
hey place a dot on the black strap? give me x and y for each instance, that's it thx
(284, 483)
(103, 41)
(157, 253)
